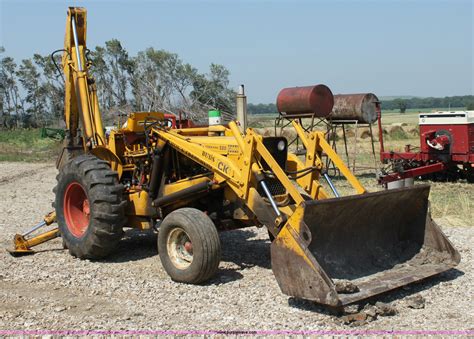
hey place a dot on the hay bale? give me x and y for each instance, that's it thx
(266, 131)
(350, 133)
(400, 124)
(397, 132)
(365, 134)
(289, 134)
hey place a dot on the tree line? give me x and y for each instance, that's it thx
(32, 90)
(464, 101)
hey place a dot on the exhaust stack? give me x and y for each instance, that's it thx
(242, 108)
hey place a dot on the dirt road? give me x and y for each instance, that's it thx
(130, 290)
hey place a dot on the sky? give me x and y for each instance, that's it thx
(390, 48)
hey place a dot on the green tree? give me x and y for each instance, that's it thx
(36, 99)
(120, 67)
(212, 90)
(401, 105)
(153, 80)
(101, 73)
(52, 84)
(12, 102)
(162, 81)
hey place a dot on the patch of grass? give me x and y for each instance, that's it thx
(261, 120)
(398, 134)
(452, 202)
(27, 145)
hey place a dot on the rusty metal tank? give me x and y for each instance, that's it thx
(316, 99)
(360, 107)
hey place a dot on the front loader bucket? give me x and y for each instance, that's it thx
(339, 251)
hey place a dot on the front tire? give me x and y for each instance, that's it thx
(89, 207)
(189, 246)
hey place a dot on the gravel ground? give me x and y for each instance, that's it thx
(130, 290)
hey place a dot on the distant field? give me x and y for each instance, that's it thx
(425, 110)
(27, 145)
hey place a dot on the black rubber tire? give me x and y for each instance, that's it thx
(205, 242)
(107, 207)
(68, 153)
(66, 157)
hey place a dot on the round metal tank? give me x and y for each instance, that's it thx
(316, 99)
(360, 107)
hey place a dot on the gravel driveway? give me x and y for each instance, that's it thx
(130, 290)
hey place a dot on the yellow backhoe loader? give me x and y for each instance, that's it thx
(192, 182)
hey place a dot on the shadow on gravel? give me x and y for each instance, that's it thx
(135, 245)
(387, 297)
(237, 248)
(245, 252)
(416, 287)
(224, 276)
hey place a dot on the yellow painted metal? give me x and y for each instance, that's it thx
(96, 115)
(237, 135)
(323, 144)
(317, 191)
(71, 109)
(182, 184)
(219, 144)
(211, 160)
(204, 131)
(301, 133)
(136, 120)
(22, 245)
(280, 174)
(141, 223)
(79, 101)
(139, 204)
(25, 245)
(50, 218)
(315, 143)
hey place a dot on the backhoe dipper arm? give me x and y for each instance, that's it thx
(80, 94)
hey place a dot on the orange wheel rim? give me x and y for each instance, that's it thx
(76, 209)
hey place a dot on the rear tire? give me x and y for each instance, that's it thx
(189, 246)
(89, 207)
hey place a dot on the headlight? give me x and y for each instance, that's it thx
(281, 145)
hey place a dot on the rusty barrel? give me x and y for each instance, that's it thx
(360, 107)
(316, 99)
